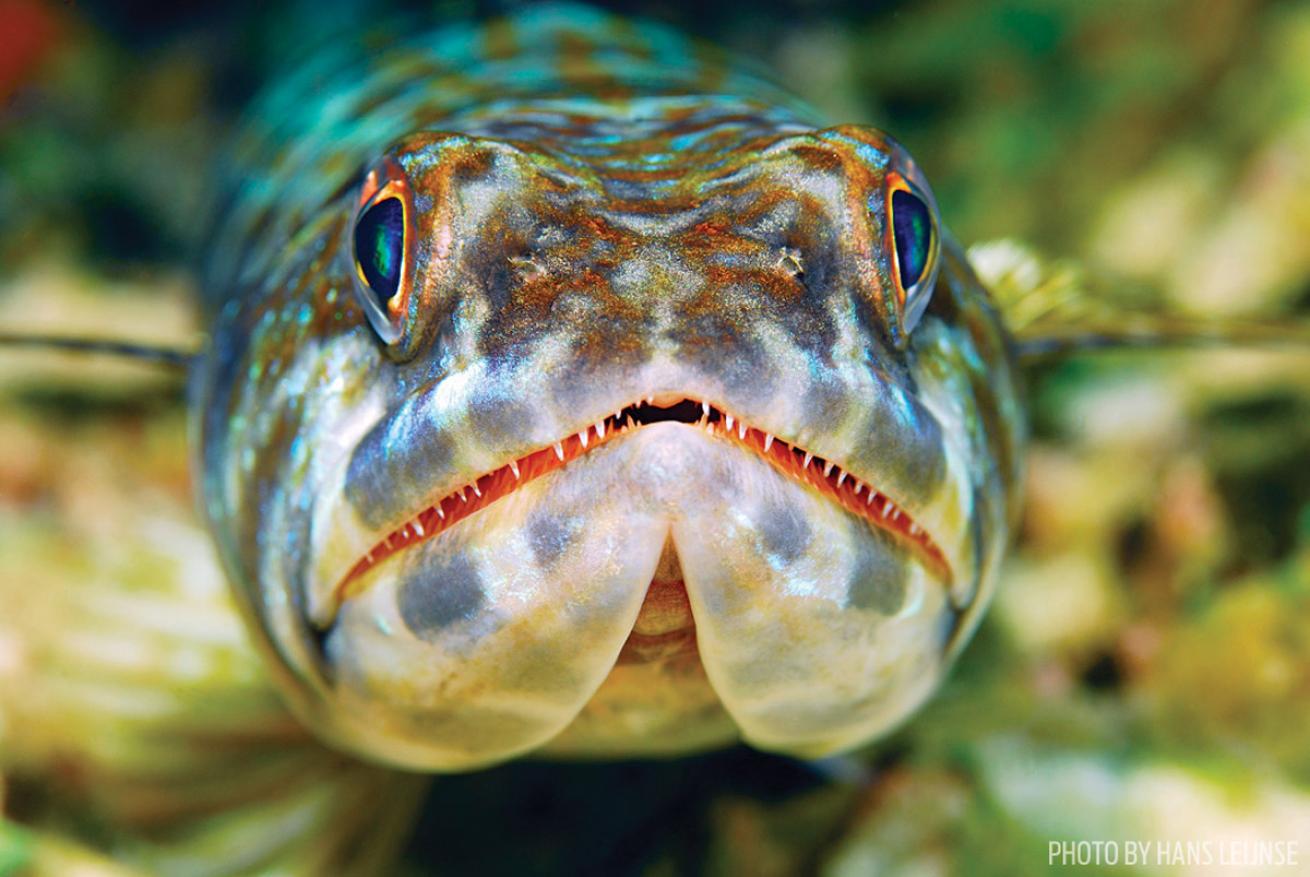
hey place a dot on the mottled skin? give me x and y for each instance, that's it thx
(597, 213)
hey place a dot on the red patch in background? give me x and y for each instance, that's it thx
(29, 31)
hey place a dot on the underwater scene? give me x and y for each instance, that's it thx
(1134, 700)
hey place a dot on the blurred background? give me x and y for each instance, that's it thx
(1144, 673)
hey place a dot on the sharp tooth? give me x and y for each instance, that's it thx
(462, 497)
(859, 485)
(887, 510)
(582, 437)
(841, 476)
(440, 513)
(632, 424)
(869, 499)
(476, 489)
(727, 418)
(369, 556)
(808, 458)
(650, 400)
(559, 451)
(600, 429)
(827, 468)
(705, 410)
(741, 431)
(768, 442)
(418, 527)
(514, 467)
(914, 529)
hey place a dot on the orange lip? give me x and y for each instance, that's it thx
(860, 499)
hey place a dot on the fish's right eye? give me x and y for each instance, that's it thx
(915, 247)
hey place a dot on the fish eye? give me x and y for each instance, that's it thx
(912, 230)
(380, 247)
(380, 251)
(914, 240)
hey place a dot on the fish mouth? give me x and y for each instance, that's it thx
(825, 476)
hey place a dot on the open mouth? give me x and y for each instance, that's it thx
(825, 476)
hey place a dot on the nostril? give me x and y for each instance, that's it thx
(790, 261)
(527, 266)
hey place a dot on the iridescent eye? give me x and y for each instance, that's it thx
(912, 227)
(380, 247)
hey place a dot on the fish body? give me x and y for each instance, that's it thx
(567, 390)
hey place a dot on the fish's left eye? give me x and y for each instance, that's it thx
(915, 245)
(380, 247)
(381, 251)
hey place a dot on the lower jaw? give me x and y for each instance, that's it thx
(653, 709)
(622, 504)
(656, 709)
(665, 628)
(656, 699)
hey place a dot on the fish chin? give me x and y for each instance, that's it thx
(514, 628)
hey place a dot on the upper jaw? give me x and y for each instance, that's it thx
(346, 543)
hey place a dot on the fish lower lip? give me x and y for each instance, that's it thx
(857, 497)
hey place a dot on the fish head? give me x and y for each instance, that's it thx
(544, 442)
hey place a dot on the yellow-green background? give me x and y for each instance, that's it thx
(1144, 674)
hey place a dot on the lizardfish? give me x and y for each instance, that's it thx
(571, 386)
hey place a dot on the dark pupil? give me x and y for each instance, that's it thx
(913, 229)
(380, 244)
